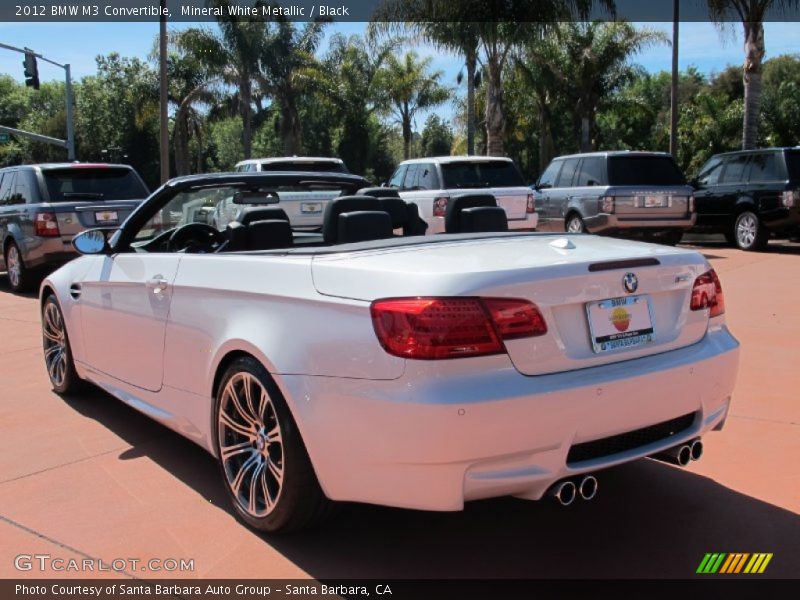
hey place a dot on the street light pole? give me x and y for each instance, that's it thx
(673, 104)
(70, 123)
(163, 98)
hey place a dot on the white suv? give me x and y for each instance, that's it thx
(292, 163)
(431, 182)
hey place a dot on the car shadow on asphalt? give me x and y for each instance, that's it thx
(6, 288)
(648, 520)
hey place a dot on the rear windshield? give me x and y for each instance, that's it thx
(93, 184)
(315, 167)
(793, 165)
(644, 170)
(501, 173)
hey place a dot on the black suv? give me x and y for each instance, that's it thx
(749, 195)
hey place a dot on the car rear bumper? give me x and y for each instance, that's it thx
(612, 223)
(53, 251)
(444, 433)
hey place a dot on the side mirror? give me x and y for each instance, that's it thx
(91, 241)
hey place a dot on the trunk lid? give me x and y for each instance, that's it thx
(74, 217)
(656, 202)
(562, 275)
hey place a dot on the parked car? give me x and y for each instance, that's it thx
(430, 183)
(42, 207)
(292, 163)
(749, 196)
(622, 193)
(304, 203)
(410, 371)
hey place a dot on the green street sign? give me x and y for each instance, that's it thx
(4, 137)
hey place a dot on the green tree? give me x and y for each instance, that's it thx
(437, 137)
(751, 14)
(410, 86)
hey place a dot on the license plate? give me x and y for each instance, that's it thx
(655, 202)
(311, 207)
(106, 216)
(620, 323)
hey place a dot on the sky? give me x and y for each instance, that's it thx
(701, 45)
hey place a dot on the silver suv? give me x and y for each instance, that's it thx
(627, 193)
(42, 207)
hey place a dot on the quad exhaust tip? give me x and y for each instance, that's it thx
(567, 491)
(681, 454)
(588, 487)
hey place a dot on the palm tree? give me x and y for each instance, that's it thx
(460, 37)
(191, 83)
(409, 86)
(588, 62)
(288, 69)
(751, 13)
(234, 53)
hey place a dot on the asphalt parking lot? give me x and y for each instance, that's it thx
(88, 477)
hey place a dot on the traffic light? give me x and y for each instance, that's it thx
(31, 70)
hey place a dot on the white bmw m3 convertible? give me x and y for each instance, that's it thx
(367, 362)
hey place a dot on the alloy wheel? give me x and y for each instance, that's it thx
(250, 444)
(13, 266)
(55, 344)
(746, 230)
(575, 225)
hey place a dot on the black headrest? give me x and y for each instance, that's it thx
(269, 234)
(379, 192)
(483, 218)
(397, 209)
(248, 214)
(237, 237)
(337, 206)
(452, 216)
(363, 225)
(415, 225)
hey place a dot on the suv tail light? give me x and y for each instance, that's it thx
(531, 206)
(440, 206)
(707, 293)
(605, 204)
(46, 225)
(791, 198)
(452, 327)
(691, 203)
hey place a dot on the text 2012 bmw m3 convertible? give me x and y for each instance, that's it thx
(365, 362)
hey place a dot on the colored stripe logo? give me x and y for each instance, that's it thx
(734, 563)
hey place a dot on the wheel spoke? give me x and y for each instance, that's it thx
(236, 484)
(228, 421)
(229, 452)
(276, 471)
(236, 402)
(255, 483)
(274, 435)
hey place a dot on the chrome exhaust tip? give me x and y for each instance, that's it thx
(679, 455)
(588, 487)
(696, 449)
(565, 492)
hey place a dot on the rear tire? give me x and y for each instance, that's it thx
(671, 238)
(20, 278)
(263, 460)
(57, 353)
(574, 224)
(749, 233)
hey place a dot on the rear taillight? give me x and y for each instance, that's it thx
(437, 328)
(439, 206)
(605, 204)
(691, 203)
(790, 198)
(46, 225)
(530, 207)
(707, 293)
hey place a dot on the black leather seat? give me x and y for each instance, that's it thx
(363, 225)
(483, 219)
(379, 192)
(269, 234)
(248, 214)
(344, 204)
(456, 204)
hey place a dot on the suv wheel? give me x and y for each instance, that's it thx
(748, 232)
(574, 224)
(19, 277)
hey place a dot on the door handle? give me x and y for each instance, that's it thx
(75, 290)
(158, 284)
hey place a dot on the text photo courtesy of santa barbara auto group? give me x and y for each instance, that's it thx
(399, 299)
